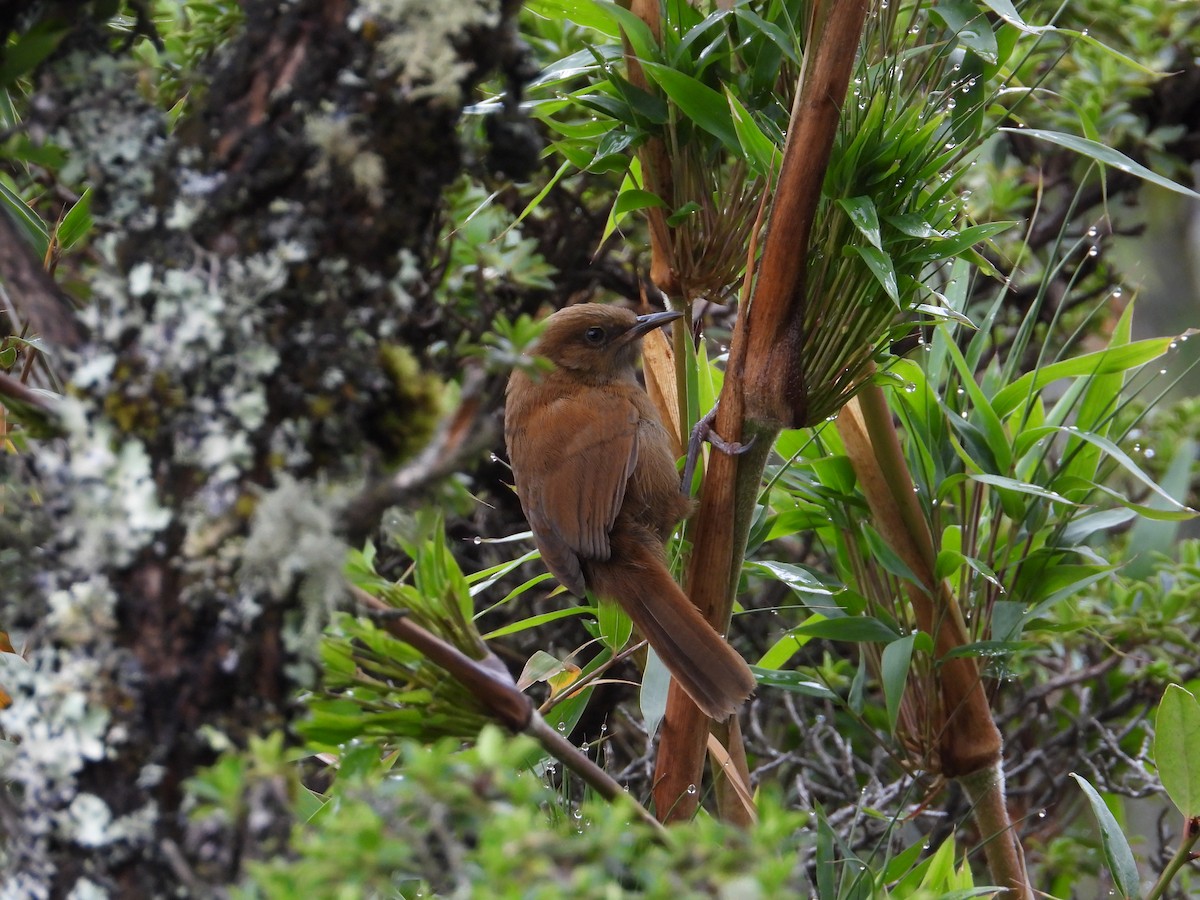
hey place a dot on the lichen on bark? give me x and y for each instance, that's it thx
(244, 324)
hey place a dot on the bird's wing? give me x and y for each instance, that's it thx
(585, 456)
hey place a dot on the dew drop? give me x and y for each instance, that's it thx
(691, 789)
(477, 540)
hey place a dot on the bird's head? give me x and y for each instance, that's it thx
(594, 340)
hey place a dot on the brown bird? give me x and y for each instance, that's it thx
(596, 476)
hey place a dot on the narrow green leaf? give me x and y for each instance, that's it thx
(1150, 536)
(77, 222)
(881, 267)
(792, 681)
(1126, 462)
(969, 25)
(1111, 51)
(30, 222)
(798, 579)
(865, 217)
(700, 103)
(615, 626)
(1101, 362)
(954, 244)
(856, 629)
(991, 649)
(1177, 748)
(535, 621)
(1105, 155)
(1022, 487)
(634, 199)
(31, 48)
(782, 650)
(1116, 848)
(893, 671)
(1006, 11)
(989, 422)
(758, 149)
(640, 37)
(652, 698)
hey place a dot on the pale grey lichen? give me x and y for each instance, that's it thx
(339, 147)
(418, 46)
(115, 500)
(86, 889)
(292, 546)
(83, 613)
(53, 727)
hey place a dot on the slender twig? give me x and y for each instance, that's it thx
(461, 435)
(1184, 855)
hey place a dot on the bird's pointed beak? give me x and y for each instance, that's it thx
(651, 321)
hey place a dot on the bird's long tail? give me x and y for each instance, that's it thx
(635, 576)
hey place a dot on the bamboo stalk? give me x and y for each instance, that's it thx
(763, 370)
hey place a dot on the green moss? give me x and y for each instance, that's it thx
(412, 410)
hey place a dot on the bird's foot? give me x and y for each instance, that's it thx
(704, 431)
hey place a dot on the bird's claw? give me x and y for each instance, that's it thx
(704, 431)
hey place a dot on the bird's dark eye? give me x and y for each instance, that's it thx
(594, 335)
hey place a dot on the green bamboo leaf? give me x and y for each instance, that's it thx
(782, 650)
(1125, 462)
(77, 222)
(989, 422)
(883, 554)
(31, 223)
(587, 15)
(969, 26)
(1101, 362)
(954, 244)
(535, 621)
(758, 149)
(913, 225)
(1150, 537)
(1116, 848)
(947, 563)
(893, 671)
(792, 681)
(700, 103)
(798, 579)
(1110, 51)
(30, 48)
(881, 267)
(1176, 739)
(615, 626)
(682, 214)
(986, 649)
(865, 217)
(652, 697)
(1105, 155)
(637, 32)
(1006, 11)
(634, 199)
(856, 629)
(1021, 487)
(1152, 510)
